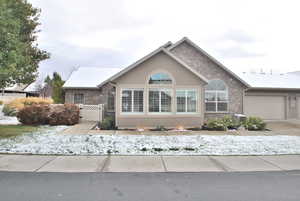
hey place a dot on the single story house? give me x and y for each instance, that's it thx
(181, 84)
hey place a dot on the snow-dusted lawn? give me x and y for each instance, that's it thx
(5, 120)
(47, 141)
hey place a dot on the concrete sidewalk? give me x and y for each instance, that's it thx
(31, 163)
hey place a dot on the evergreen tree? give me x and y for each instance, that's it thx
(57, 90)
(19, 52)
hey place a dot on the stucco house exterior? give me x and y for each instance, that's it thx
(179, 84)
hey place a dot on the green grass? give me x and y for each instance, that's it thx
(15, 130)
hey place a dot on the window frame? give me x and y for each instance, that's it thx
(132, 101)
(186, 98)
(160, 90)
(216, 101)
(159, 84)
(83, 98)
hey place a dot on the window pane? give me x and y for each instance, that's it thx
(138, 99)
(111, 101)
(222, 107)
(153, 101)
(210, 107)
(191, 101)
(166, 101)
(222, 96)
(160, 78)
(216, 85)
(126, 101)
(210, 96)
(78, 99)
(180, 99)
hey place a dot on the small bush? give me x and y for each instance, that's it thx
(227, 122)
(160, 128)
(107, 123)
(20, 103)
(254, 124)
(230, 122)
(67, 114)
(1, 102)
(34, 115)
(216, 124)
(9, 111)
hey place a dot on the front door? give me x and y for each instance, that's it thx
(292, 107)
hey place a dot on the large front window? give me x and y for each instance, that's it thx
(216, 96)
(160, 100)
(133, 100)
(186, 101)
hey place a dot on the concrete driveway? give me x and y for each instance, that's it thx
(32, 163)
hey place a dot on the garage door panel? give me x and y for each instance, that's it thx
(266, 107)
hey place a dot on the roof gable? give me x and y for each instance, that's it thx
(161, 49)
(191, 43)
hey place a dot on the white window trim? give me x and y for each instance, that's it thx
(160, 89)
(132, 101)
(185, 91)
(217, 101)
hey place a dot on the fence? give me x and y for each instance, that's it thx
(91, 112)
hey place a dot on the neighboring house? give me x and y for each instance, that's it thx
(177, 84)
(15, 91)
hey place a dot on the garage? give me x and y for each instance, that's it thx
(266, 107)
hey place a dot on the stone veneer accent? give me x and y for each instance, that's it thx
(210, 70)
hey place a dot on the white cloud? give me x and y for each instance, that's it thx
(243, 35)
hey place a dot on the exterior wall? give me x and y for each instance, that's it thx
(200, 62)
(92, 96)
(138, 78)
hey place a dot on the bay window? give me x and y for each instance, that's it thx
(216, 96)
(186, 101)
(132, 100)
(160, 100)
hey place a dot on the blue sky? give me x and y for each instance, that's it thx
(243, 35)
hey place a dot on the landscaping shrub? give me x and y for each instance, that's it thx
(34, 115)
(67, 114)
(20, 103)
(216, 124)
(227, 122)
(107, 123)
(9, 111)
(230, 122)
(254, 124)
(159, 128)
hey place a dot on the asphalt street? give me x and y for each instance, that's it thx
(218, 186)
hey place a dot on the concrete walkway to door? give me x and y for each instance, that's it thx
(37, 163)
(81, 128)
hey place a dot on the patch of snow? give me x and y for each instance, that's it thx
(47, 141)
(5, 120)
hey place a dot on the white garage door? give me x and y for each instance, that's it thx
(266, 107)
